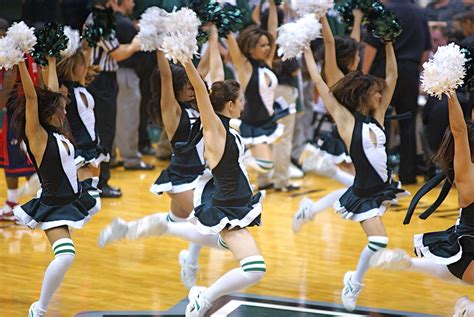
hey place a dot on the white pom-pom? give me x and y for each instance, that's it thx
(22, 36)
(153, 24)
(10, 54)
(74, 42)
(444, 72)
(295, 36)
(318, 7)
(179, 42)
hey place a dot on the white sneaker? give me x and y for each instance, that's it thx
(391, 259)
(350, 292)
(303, 214)
(6, 213)
(198, 305)
(294, 172)
(188, 272)
(117, 230)
(461, 307)
(152, 225)
(36, 311)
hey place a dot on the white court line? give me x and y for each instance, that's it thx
(234, 304)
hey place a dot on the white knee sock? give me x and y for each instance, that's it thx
(376, 243)
(343, 177)
(188, 231)
(326, 202)
(64, 256)
(13, 195)
(427, 266)
(194, 248)
(251, 270)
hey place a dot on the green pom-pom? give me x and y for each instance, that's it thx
(469, 79)
(208, 11)
(102, 27)
(51, 40)
(230, 20)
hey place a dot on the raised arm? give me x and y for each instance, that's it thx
(331, 70)
(463, 166)
(53, 82)
(35, 133)
(170, 109)
(358, 16)
(369, 56)
(256, 12)
(344, 119)
(272, 27)
(203, 66)
(238, 58)
(215, 60)
(391, 75)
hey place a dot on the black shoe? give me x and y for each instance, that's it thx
(115, 164)
(110, 192)
(139, 166)
(288, 188)
(148, 150)
(163, 157)
(267, 187)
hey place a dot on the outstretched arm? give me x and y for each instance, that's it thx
(358, 16)
(272, 27)
(170, 109)
(215, 60)
(331, 70)
(35, 133)
(391, 75)
(344, 119)
(463, 166)
(53, 82)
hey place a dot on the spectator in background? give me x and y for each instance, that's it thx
(412, 48)
(104, 89)
(39, 12)
(129, 97)
(74, 13)
(443, 10)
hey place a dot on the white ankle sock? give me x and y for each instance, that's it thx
(343, 177)
(173, 218)
(427, 266)
(326, 201)
(376, 243)
(188, 231)
(13, 195)
(251, 270)
(64, 256)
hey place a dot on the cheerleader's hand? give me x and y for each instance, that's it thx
(358, 14)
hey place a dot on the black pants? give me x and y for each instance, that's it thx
(405, 99)
(104, 89)
(145, 89)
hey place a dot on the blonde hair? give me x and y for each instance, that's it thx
(66, 67)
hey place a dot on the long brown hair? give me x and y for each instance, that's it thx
(66, 68)
(353, 91)
(249, 38)
(445, 154)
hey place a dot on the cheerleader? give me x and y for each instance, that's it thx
(89, 154)
(358, 103)
(173, 107)
(252, 55)
(64, 201)
(330, 157)
(448, 254)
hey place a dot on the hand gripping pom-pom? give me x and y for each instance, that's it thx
(22, 36)
(51, 41)
(152, 28)
(74, 42)
(444, 72)
(295, 36)
(102, 27)
(10, 55)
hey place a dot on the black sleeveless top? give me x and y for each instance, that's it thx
(57, 172)
(370, 160)
(232, 186)
(259, 96)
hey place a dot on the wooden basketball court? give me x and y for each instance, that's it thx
(144, 275)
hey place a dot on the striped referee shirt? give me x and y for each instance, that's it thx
(101, 53)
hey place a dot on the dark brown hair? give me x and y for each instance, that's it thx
(223, 92)
(249, 38)
(346, 51)
(49, 104)
(353, 90)
(180, 80)
(445, 155)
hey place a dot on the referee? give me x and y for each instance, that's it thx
(104, 89)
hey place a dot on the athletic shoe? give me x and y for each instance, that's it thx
(188, 272)
(117, 230)
(198, 305)
(6, 213)
(303, 214)
(294, 172)
(35, 311)
(152, 225)
(461, 308)
(391, 259)
(350, 292)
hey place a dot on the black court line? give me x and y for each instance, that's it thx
(271, 307)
